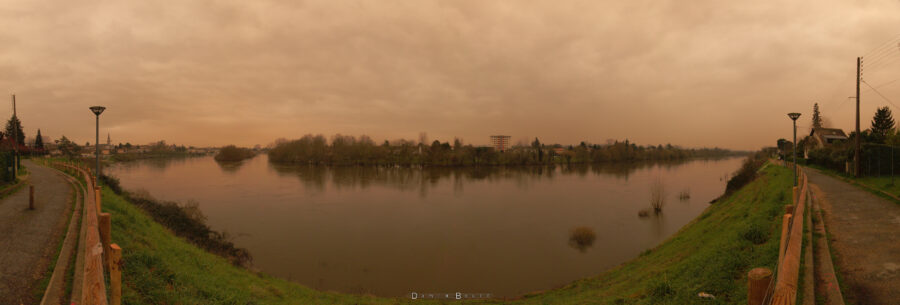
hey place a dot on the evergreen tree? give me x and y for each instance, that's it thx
(816, 117)
(14, 129)
(882, 123)
(39, 141)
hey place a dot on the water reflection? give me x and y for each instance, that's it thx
(390, 230)
(421, 179)
(230, 167)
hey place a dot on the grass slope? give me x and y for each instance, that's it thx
(711, 254)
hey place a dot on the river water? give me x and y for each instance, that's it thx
(394, 231)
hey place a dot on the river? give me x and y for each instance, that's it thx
(394, 231)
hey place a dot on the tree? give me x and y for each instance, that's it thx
(816, 117)
(882, 123)
(39, 141)
(68, 148)
(14, 129)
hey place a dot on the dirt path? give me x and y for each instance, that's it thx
(866, 239)
(29, 238)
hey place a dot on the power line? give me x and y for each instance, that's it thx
(882, 95)
(884, 84)
(884, 64)
(882, 46)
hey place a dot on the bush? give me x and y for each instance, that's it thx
(581, 238)
(661, 289)
(831, 157)
(112, 183)
(185, 220)
(233, 153)
(746, 173)
(755, 233)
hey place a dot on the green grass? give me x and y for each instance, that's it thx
(712, 254)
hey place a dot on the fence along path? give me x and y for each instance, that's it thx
(93, 288)
(787, 272)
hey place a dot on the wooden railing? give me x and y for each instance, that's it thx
(100, 256)
(784, 291)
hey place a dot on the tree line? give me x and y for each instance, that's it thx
(350, 150)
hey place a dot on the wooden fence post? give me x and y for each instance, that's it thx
(796, 193)
(115, 275)
(758, 281)
(31, 197)
(97, 196)
(104, 226)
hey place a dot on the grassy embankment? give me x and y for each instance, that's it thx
(711, 254)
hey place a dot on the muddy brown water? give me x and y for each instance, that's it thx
(395, 231)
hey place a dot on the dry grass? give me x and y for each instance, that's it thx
(582, 238)
(685, 194)
(657, 196)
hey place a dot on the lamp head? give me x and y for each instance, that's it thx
(97, 110)
(794, 115)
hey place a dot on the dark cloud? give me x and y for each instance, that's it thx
(703, 73)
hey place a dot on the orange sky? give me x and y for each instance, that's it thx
(695, 73)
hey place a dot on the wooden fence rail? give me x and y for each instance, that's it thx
(99, 254)
(787, 272)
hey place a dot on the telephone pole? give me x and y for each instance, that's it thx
(15, 140)
(858, 135)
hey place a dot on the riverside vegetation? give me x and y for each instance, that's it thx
(349, 150)
(712, 254)
(233, 153)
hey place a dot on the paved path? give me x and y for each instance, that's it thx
(29, 238)
(866, 239)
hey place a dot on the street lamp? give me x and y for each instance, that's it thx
(793, 116)
(97, 110)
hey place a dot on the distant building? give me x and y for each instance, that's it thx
(823, 137)
(500, 143)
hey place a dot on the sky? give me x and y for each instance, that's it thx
(702, 73)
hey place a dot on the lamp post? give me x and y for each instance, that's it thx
(794, 116)
(97, 110)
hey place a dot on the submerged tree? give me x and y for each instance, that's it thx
(657, 196)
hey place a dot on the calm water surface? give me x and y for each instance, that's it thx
(393, 231)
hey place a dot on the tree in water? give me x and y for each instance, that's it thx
(816, 117)
(882, 123)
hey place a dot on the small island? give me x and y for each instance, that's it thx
(233, 153)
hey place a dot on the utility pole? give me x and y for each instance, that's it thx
(858, 135)
(15, 140)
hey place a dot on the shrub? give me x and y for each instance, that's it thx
(755, 233)
(746, 173)
(661, 289)
(185, 220)
(233, 153)
(657, 196)
(582, 237)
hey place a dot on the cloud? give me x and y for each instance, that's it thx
(705, 73)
